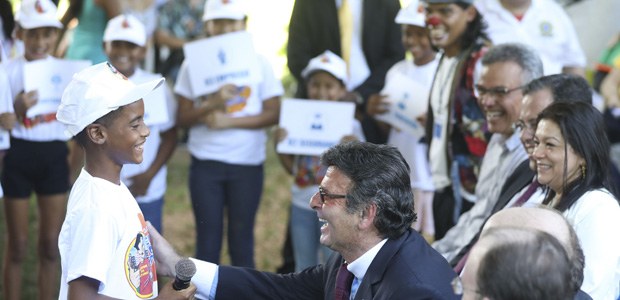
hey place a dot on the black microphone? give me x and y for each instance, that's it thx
(185, 270)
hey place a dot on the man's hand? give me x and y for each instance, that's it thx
(218, 120)
(165, 256)
(167, 292)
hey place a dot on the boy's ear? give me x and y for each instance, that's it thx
(96, 133)
(19, 32)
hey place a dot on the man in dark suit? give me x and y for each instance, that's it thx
(314, 27)
(366, 202)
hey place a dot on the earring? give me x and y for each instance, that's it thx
(583, 171)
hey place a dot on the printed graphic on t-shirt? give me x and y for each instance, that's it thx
(238, 102)
(140, 263)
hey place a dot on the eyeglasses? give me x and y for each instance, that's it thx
(325, 196)
(526, 126)
(495, 92)
(459, 289)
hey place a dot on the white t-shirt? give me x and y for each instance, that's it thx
(414, 152)
(233, 145)
(42, 132)
(596, 220)
(104, 237)
(440, 103)
(545, 27)
(157, 188)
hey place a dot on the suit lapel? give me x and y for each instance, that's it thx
(379, 264)
(520, 178)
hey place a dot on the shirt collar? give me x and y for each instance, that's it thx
(513, 141)
(359, 266)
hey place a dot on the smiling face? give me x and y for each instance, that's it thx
(340, 231)
(447, 22)
(550, 156)
(126, 134)
(416, 40)
(532, 104)
(324, 86)
(124, 56)
(38, 42)
(217, 27)
(501, 109)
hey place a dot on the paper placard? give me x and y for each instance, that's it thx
(218, 60)
(313, 126)
(407, 100)
(49, 77)
(156, 107)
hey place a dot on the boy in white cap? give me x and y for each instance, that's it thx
(36, 161)
(325, 78)
(227, 143)
(124, 43)
(104, 243)
(416, 41)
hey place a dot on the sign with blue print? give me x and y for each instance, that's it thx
(222, 59)
(312, 126)
(407, 100)
(49, 77)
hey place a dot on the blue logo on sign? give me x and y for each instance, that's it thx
(222, 56)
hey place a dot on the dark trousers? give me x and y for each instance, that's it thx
(215, 186)
(443, 211)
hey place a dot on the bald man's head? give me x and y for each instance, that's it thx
(549, 221)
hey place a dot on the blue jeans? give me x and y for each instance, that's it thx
(214, 186)
(305, 234)
(152, 212)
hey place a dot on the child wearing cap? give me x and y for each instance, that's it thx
(36, 160)
(104, 243)
(228, 149)
(124, 43)
(325, 77)
(416, 40)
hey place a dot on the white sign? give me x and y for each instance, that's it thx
(312, 126)
(49, 77)
(218, 60)
(156, 107)
(407, 100)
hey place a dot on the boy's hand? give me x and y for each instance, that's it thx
(7, 120)
(139, 184)
(225, 93)
(24, 101)
(376, 105)
(218, 120)
(165, 256)
(167, 292)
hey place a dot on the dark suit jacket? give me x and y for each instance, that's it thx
(404, 268)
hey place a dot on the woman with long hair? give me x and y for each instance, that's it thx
(572, 158)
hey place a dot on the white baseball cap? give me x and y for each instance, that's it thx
(96, 91)
(36, 14)
(125, 28)
(224, 9)
(328, 62)
(413, 14)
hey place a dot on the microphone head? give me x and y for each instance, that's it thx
(185, 269)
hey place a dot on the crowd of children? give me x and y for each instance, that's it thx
(116, 124)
